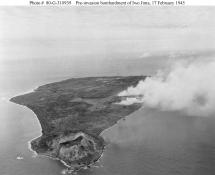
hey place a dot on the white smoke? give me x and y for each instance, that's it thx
(187, 86)
(130, 101)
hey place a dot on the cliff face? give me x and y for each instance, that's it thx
(74, 112)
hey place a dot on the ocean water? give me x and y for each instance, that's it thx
(148, 142)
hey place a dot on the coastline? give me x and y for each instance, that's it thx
(34, 153)
(64, 163)
(121, 120)
(35, 116)
(97, 97)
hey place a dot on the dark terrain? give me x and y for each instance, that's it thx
(74, 112)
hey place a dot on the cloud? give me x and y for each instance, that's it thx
(188, 86)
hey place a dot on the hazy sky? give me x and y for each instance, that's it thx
(105, 31)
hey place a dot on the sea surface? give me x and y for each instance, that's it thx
(147, 142)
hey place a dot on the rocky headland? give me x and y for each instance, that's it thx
(74, 112)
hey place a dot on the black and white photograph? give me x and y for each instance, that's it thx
(107, 90)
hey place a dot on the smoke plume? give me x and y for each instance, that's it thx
(187, 85)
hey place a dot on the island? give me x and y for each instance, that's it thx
(74, 112)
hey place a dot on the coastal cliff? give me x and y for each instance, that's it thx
(74, 112)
